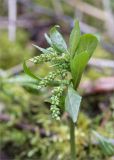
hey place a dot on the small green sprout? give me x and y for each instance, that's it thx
(68, 63)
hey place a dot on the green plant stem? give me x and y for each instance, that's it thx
(72, 140)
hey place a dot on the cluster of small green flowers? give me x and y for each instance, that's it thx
(55, 101)
(63, 68)
(49, 78)
(63, 82)
(62, 61)
(61, 65)
(63, 72)
(44, 58)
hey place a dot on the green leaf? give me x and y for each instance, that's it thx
(105, 144)
(72, 103)
(57, 40)
(77, 65)
(88, 43)
(45, 51)
(32, 88)
(48, 39)
(25, 81)
(74, 38)
(28, 72)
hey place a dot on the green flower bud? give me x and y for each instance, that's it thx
(43, 58)
(55, 102)
(61, 64)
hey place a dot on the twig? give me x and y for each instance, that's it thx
(88, 9)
